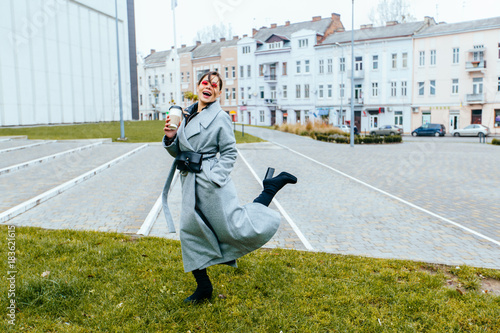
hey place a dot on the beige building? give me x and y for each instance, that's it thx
(456, 80)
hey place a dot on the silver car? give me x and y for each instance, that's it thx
(387, 130)
(472, 130)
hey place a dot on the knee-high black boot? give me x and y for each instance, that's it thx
(203, 290)
(273, 185)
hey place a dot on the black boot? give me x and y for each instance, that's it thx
(273, 185)
(204, 289)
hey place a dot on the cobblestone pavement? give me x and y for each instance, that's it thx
(333, 212)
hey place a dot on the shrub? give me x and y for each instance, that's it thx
(495, 141)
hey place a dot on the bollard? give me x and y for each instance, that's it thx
(482, 138)
(242, 129)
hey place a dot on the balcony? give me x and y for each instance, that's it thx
(270, 77)
(475, 98)
(270, 101)
(359, 74)
(475, 66)
(357, 101)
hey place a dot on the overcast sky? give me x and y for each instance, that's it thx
(154, 24)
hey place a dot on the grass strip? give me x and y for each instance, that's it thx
(135, 131)
(78, 281)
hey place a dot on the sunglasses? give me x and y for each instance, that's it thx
(205, 83)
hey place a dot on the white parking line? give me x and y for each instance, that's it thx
(280, 208)
(393, 196)
(33, 202)
(27, 146)
(45, 158)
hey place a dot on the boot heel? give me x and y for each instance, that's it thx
(269, 173)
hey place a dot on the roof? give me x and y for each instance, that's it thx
(319, 26)
(156, 58)
(212, 49)
(453, 28)
(391, 31)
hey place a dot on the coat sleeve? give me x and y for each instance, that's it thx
(170, 145)
(227, 149)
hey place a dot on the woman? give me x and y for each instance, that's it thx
(215, 229)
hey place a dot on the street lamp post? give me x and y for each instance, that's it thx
(342, 85)
(352, 77)
(122, 126)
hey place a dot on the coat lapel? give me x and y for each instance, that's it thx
(204, 119)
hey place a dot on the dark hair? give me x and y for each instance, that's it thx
(210, 75)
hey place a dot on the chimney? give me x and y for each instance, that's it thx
(198, 43)
(263, 27)
(235, 38)
(340, 30)
(254, 31)
(316, 18)
(273, 25)
(183, 46)
(153, 51)
(287, 23)
(366, 26)
(428, 21)
(222, 39)
(245, 36)
(389, 23)
(212, 41)
(335, 16)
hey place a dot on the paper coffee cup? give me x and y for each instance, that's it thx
(175, 113)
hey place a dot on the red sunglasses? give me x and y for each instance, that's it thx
(205, 83)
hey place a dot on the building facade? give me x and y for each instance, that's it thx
(457, 75)
(59, 62)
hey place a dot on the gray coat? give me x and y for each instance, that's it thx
(209, 198)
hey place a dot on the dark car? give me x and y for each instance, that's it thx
(430, 129)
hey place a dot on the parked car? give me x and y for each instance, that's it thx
(472, 130)
(387, 130)
(347, 129)
(430, 129)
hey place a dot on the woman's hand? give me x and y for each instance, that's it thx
(169, 132)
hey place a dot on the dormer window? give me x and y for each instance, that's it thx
(246, 49)
(275, 45)
(303, 43)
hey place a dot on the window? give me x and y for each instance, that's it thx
(421, 86)
(321, 66)
(306, 91)
(297, 91)
(227, 94)
(298, 67)
(421, 58)
(249, 91)
(398, 117)
(261, 113)
(394, 86)
(330, 65)
(249, 71)
(320, 91)
(306, 65)
(163, 97)
(498, 89)
(234, 93)
(404, 88)
(140, 81)
(303, 43)
(171, 78)
(433, 57)
(261, 89)
(341, 90)
(498, 50)
(375, 62)
(394, 60)
(242, 71)
(456, 55)
(342, 65)
(275, 45)
(433, 87)
(374, 89)
(477, 85)
(233, 69)
(187, 77)
(285, 93)
(358, 63)
(478, 55)
(242, 93)
(273, 92)
(246, 49)
(163, 78)
(330, 92)
(261, 70)
(227, 72)
(283, 71)
(454, 86)
(156, 80)
(404, 56)
(140, 99)
(149, 80)
(171, 96)
(497, 118)
(182, 76)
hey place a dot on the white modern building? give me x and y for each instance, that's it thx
(277, 71)
(382, 75)
(59, 64)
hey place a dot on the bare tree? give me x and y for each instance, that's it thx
(215, 31)
(391, 10)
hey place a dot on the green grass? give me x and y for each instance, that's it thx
(135, 131)
(104, 282)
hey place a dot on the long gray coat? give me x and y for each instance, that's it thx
(211, 195)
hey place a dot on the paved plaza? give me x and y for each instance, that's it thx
(428, 199)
